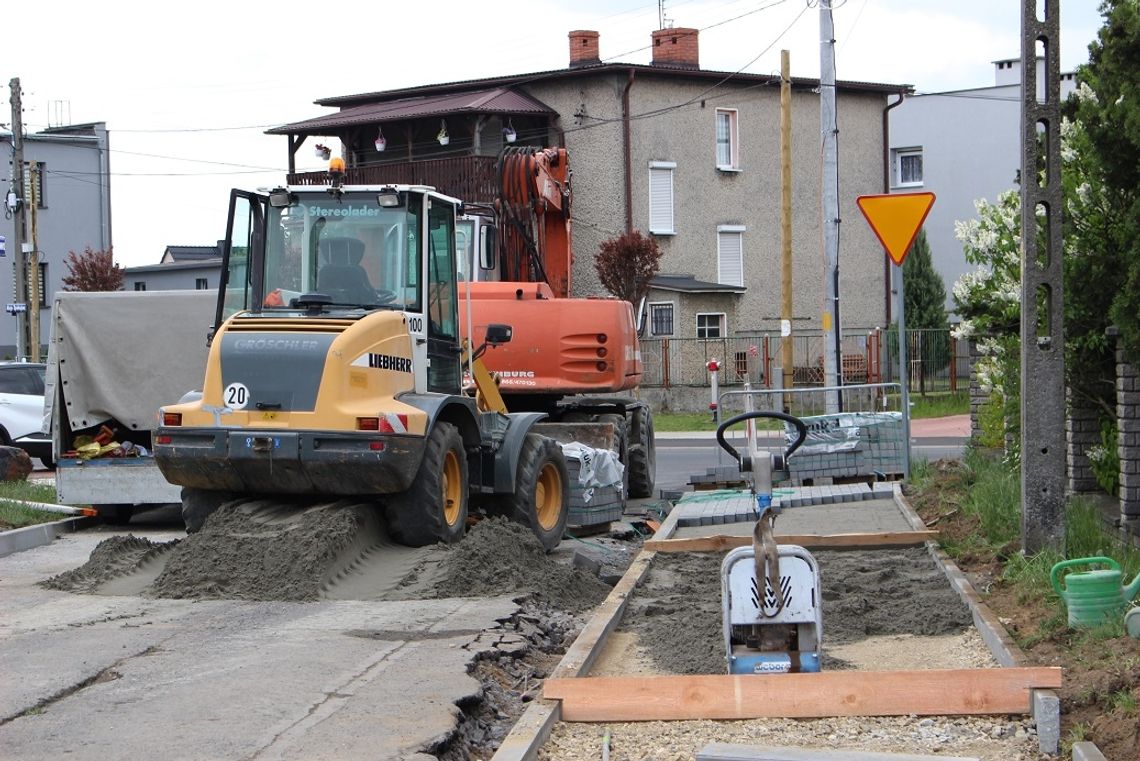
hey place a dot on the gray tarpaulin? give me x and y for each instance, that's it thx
(123, 354)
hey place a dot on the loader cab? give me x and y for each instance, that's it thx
(308, 253)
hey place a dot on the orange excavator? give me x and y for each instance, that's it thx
(570, 358)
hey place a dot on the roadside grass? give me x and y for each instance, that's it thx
(13, 515)
(932, 405)
(991, 502)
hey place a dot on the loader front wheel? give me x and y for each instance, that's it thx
(197, 504)
(542, 490)
(434, 508)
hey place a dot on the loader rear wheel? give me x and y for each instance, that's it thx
(642, 461)
(434, 508)
(197, 504)
(542, 490)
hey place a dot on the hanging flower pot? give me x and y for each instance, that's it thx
(322, 152)
(381, 143)
(443, 137)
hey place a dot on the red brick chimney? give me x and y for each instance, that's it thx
(583, 48)
(676, 47)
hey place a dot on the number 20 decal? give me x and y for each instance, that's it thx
(416, 324)
(236, 396)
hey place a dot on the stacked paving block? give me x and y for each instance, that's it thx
(736, 506)
(861, 444)
(605, 503)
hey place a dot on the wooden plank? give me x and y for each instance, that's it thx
(817, 541)
(935, 692)
(733, 752)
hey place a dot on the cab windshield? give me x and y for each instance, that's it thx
(352, 250)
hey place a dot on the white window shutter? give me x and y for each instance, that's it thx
(730, 258)
(660, 199)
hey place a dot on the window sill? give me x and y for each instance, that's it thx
(902, 185)
(729, 169)
(664, 233)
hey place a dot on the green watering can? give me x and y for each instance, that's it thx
(1093, 597)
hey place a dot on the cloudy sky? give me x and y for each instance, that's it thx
(188, 89)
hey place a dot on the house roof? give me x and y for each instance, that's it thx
(204, 265)
(191, 253)
(689, 284)
(514, 80)
(493, 100)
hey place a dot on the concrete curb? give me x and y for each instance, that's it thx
(30, 537)
(1045, 704)
(1087, 751)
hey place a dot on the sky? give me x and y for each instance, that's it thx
(187, 90)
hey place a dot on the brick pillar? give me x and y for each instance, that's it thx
(1082, 430)
(1128, 440)
(977, 398)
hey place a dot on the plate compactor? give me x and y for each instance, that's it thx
(771, 600)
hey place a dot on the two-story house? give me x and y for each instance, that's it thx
(181, 268)
(73, 211)
(687, 155)
(962, 145)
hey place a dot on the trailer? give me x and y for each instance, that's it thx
(113, 359)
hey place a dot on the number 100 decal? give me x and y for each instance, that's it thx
(236, 396)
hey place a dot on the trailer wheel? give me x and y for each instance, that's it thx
(434, 508)
(542, 490)
(642, 463)
(197, 504)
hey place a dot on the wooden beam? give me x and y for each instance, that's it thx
(934, 692)
(817, 541)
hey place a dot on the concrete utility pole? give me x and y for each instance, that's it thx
(1042, 281)
(787, 355)
(832, 366)
(19, 278)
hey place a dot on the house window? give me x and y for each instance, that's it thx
(661, 319)
(140, 285)
(908, 167)
(727, 155)
(200, 284)
(42, 284)
(661, 197)
(730, 254)
(710, 324)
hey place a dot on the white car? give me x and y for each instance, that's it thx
(22, 409)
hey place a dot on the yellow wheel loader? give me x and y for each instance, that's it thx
(336, 367)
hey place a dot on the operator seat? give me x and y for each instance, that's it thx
(341, 275)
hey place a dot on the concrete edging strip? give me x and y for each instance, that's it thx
(1046, 704)
(30, 537)
(533, 728)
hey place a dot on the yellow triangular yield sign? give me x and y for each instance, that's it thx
(896, 219)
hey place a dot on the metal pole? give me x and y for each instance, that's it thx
(832, 367)
(34, 270)
(19, 277)
(904, 376)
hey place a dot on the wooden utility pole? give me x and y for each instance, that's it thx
(787, 355)
(19, 276)
(33, 313)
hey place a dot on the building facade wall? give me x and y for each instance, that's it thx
(674, 120)
(76, 214)
(172, 277)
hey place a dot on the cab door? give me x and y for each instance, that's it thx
(442, 308)
(243, 256)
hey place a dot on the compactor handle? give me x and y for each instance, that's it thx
(1055, 574)
(801, 429)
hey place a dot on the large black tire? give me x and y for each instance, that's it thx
(642, 462)
(542, 490)
(621, 445)
(198, 504)
(434, 508)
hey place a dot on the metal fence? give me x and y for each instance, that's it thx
(936, 360)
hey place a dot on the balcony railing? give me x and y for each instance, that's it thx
(468, 178)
